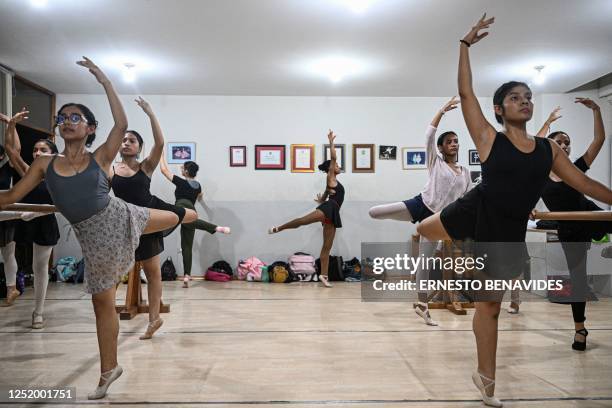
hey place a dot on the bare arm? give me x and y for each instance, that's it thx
(12, 143)
(27, 183)
(575, 178)
(331, 175)
(481, 131)
(106, 153)
(554, 115)
(163, 166)
(150, 163)
(599, 133)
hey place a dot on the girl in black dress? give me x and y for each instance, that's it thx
(576, 236)
(131, 181)
(42, 233)
(515, 168)
(327, 213)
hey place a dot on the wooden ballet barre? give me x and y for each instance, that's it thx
(574, 215)
(44, 208)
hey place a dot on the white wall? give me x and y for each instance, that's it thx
(250, 201)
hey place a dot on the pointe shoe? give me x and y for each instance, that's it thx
(422, 310)
(324, 279)
(490, 401)
(10, 298)
(152, 328)
(186, 281)
(272, 230)
(513, 309)
(38, 321)
(224, 230)
(108, 377)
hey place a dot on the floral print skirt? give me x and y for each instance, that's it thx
(108, 240)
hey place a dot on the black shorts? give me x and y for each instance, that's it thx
(41, 231)
(417, 208)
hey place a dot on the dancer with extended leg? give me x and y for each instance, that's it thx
(327, 213)
(107, 228)
(515, 168)
(187, 191)
(131, 181)
(7, 231)
(447, 181)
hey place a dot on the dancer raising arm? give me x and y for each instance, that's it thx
(43, 232)
(107, 228)
(327, 213)
(447, 181)
(515, 168)
(187, 191)
(131, 181)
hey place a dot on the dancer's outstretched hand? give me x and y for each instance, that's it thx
(554, 115)
(450, 105)
(330, 136)
(588, 102)
(474, 36)
(94, 69)
(18, 117)
(319, 198)
(144, 105)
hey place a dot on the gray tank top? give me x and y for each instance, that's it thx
(80, 196)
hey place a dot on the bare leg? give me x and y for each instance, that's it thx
(315, 216)
(394, 211)
(485, 329)
(154, 290)
(160, 220)
(329, 232)
(107, 328)
(432, 228)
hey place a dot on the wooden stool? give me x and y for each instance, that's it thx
(134, 303)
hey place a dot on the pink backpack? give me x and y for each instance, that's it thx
(250, 269)
(303, 266)
(213, 275)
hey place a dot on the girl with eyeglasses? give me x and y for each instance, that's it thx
(107, 228)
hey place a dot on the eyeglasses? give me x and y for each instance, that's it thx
(73, 118)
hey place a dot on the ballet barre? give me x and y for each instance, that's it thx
(44, 208)
(574, 215)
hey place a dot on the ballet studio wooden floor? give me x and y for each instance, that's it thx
(241, 344)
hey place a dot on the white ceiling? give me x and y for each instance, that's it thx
(262, 47)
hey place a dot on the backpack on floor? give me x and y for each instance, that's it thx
(65, 269)
(222, 266)
(280, 272)
(352, 270)
(217, 276)
(303, 267)
(168, 271)
(335, 268)
(250, 269)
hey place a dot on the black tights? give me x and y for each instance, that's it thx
(576, 256)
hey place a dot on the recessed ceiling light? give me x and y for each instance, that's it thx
(357, 6)
(129, 74)
(38, 3)
(539, 77)
(336, 68)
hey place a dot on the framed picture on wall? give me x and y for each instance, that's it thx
(363, 158)
(302, 158)
(387, 152)
(474, 157)
(180, 152)
(237, 156)
(475, 176)
(414, 158)
(269, 157)
(340, 155)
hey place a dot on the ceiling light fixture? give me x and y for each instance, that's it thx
(357, 6)
(38, 3)
(336, 68)
(539, 77)
(128, 72)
